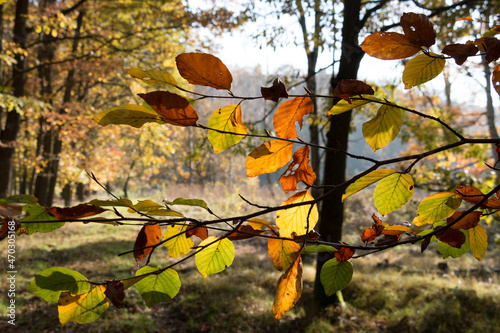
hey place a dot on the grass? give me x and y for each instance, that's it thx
(396, 291)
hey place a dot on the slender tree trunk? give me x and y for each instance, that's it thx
(9, 133)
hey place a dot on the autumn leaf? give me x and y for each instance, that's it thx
(452, 237)
(204, 69)
(396, 229)
(76, 212)
(473, 195)
(174, 109)
(299, 219)
(50, 283)
(282, 252)
(82, 309)
(152, 208)
(367, 180)
(346, 88)
(344, 106)
(492, 46)
(449, 251)
(389, 46)
(289, 289)
(393, 192)
(344, 253)
(418, 29)
(226, 119)
(244, 232)
(468, 221)
(335, 276)
(176, 241)
(422, 68)
(438, 206)
(214, 255)
(130, 114)
(492, 32)
(260, 224)
(478, 241)
(290, 112)
(115, 292)
(384, 128)
(495, 79)
(268, 157)
(157, 288)
(153, 77)
(298, 170)
(38, 213)
(460, 52)
(374, 231)
(10, 209)
(149, 235)
(275, 92)
(200, 232)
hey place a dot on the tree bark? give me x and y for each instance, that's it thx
(9, 133)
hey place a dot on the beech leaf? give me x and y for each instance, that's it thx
(384, 128)
(153, 77)
(478, 241)
(204, 69)
(289, 289)
(422, 68)
(75, 212)
(176, 241)
(149, 235)
(389, 46)
(214, 258)
(347, 88)
(174, 109)
(438, 206)
(298, 170)
(418, 29)
(227, 119)
(495, 79)
(50, 283)
(157, 288)
(468, 221)
(130, 114)
(290, 112)
(84, 308)
(299, 219)
(282, 252)
(460, 52)
(275, 92)
(335, 276)
(367, 180)
(393, 192)
(268, 157)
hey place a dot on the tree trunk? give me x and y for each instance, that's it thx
(12, 122)
(332, 212)
(490, 109)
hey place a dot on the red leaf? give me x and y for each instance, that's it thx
(174, 109)
(298, 170)
(115, 291)
(246, 232)
(275, 92)
(344, 254)
(418, 29)
(76, 212)
(460, 52)
(346, 88)
(204, 69)
(150, 234)
(452, 237)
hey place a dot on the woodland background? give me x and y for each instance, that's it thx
(68, 63)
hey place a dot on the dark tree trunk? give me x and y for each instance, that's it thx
(12, 122)
(67, 194)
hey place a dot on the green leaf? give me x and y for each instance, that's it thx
(188, 202)
(393, 192)
(478, 240)
(438, 206)
(344, 106)
(83, 308)
(130, 114)
(421, 69)
(157, 288)
(215, 257)
(384, 128)
(20, 198)
(152, 208)
(50, 283)
(366, 181)
(318, 249)
(335, 276)
(153, 77)
(112, 203)
(39, 213)
(449, 251)
(227, 119)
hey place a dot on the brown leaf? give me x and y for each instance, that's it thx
(388, 240)
(115, 292)
(10, 210)
(344, 253)
(275, 92)
(174, 109)
(290, 112)
(460, 52)
(495, 79)
(346, 88)
(396, 229)
(8, 225)
(452, 237)
(492, 46)
(425, 244)
(289, 289)
(311, 235)
(76, 212)
(374, 231)
(204, 69)
(418, 29)
(244, 232)
(200, 232)
(150, 234)
(473, 195)
(298, 170)
(389, 46)
(468, 221)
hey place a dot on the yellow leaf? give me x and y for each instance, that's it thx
(393, 192)
(381, 130)
(227, 119)
(282, 252)
(344, 106)
(177, 243)
(153, 77)
(366, 181)
(259, 224)
(289, 289)
(290, 112)
(421, 69)
(300, 219)
(478, 241)
(130, 114)
(214, 258)
(389, 46)
(438, 206)
(83, 308)
(268, 157)
(204, 69)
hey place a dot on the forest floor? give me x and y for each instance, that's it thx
(399, 290)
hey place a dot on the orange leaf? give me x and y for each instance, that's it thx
(374, 231)
(418, 29)
(174, 109)
(473, 195)
(282, 252)
(460, 52)
(395, 229)
(244, 232)
(389, 46)
(275, 92)
(200, 232)
(346, 88)
(9, 224)
(344, 253)
(115, 292)
(289, 289)
(290, 112)
(452, 237)
(468, 221)
(268, 157)
(298, 170)
(204, 69)
(496, 81)
(76, 212)
(150, 234)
